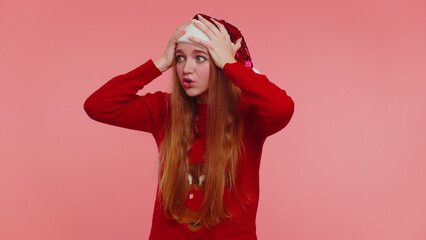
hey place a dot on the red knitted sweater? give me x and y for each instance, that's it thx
(266, 109)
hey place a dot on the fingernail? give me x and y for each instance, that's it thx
(199, 16)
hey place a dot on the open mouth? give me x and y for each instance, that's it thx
(188, 82)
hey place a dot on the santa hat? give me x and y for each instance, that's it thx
(242, 55)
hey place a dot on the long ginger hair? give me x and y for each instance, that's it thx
(224, 130)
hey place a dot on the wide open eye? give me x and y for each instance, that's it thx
(201, 58)
(179, 58)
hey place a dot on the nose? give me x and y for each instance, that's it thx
(188, 66)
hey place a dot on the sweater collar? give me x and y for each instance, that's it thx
(201, 107)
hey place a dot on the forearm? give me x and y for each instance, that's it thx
(161, 64)
(117, 102)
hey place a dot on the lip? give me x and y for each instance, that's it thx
(187, 82)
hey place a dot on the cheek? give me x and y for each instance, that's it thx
(205, 73)
(178, 70)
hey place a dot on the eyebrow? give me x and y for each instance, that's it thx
(195, 51)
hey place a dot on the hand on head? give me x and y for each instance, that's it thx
(166, 60)
(219, 46)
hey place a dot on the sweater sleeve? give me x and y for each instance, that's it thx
(117, 103)
(270, 108)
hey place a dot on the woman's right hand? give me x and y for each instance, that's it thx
(166, 61)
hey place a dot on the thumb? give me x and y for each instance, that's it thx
(237, 45)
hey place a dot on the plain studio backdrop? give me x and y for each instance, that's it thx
(351, 164)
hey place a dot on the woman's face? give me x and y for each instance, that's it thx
(193, 70)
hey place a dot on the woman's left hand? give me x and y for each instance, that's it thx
(220, 46)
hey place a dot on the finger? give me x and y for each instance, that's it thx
(222, 29)
(177, 35)
(203, 28)
(181, 33)
(199, 41)
(210, 25)
(184, 24)
(237, 45)
(178, 32)
(187, 22)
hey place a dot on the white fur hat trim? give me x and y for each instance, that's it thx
(192, 30)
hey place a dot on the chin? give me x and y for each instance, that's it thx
(191, 93)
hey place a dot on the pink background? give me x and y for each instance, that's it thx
(350, 165)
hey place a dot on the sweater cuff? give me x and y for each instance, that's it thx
(238, 74)
(234, 69)
(231, 65)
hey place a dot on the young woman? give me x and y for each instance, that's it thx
(209, 130)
